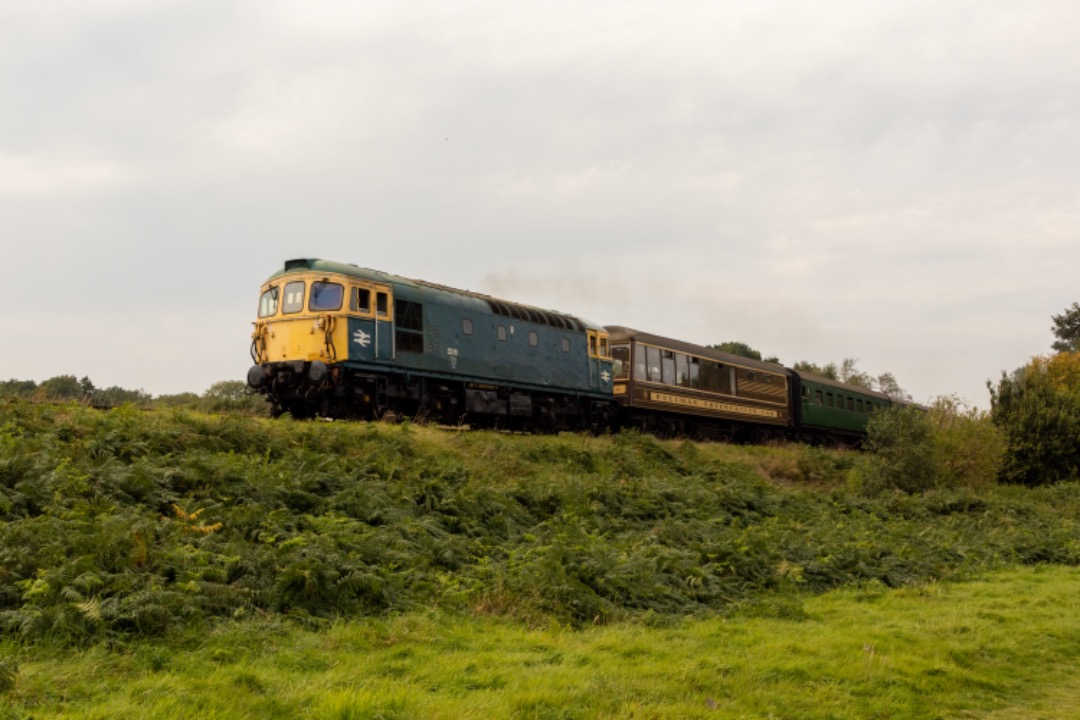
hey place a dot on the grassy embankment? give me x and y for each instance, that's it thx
(1006, 647)
(173, 547)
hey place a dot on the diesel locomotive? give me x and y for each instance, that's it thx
(337, 340)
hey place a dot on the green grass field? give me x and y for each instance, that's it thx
(173, 564)
(1006, 646)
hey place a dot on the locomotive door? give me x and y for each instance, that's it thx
(371, 323)
(599, 362)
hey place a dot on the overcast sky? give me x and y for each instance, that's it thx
(894, 181)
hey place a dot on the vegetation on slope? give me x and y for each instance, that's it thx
(129, 522)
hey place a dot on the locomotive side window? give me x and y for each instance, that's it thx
(409, 332)
(566, 345)
(294, 298)
(500, 332)
(268, 303)
(466, 326)
(326, 296)
(534, 339)
(620, 355)
(360, 300)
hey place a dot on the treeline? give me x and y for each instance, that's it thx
(846, 372)
(232, 396)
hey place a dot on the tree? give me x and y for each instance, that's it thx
(852, 376)
(1037, 408)
(1067, 329)
(737, 348)
(61, 387)
(829, 371)
(886, 383)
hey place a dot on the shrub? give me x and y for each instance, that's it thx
(970, 449)
(902, 451)
(1037, 409)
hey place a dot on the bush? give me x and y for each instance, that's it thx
(902, 452)
(1037, 409)
(915, 449)
(970, 449)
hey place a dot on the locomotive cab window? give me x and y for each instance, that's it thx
(360, 301)
(326, 296)
(382, 304)
(268, 303)
(294, 298)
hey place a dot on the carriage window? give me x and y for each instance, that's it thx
(360, 300)
(641, 369)
(695, 372)
(828, 400)
(850, 404)
(820, 397)
(268, 303)
(466, 326)
(652, 358)
(710, 376)
(667, 363)
(294, 298)
(326, 296)
(620, 355)
(682, 371)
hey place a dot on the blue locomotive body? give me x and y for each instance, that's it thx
(340, 340)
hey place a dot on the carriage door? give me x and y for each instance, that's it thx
(371, 329)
